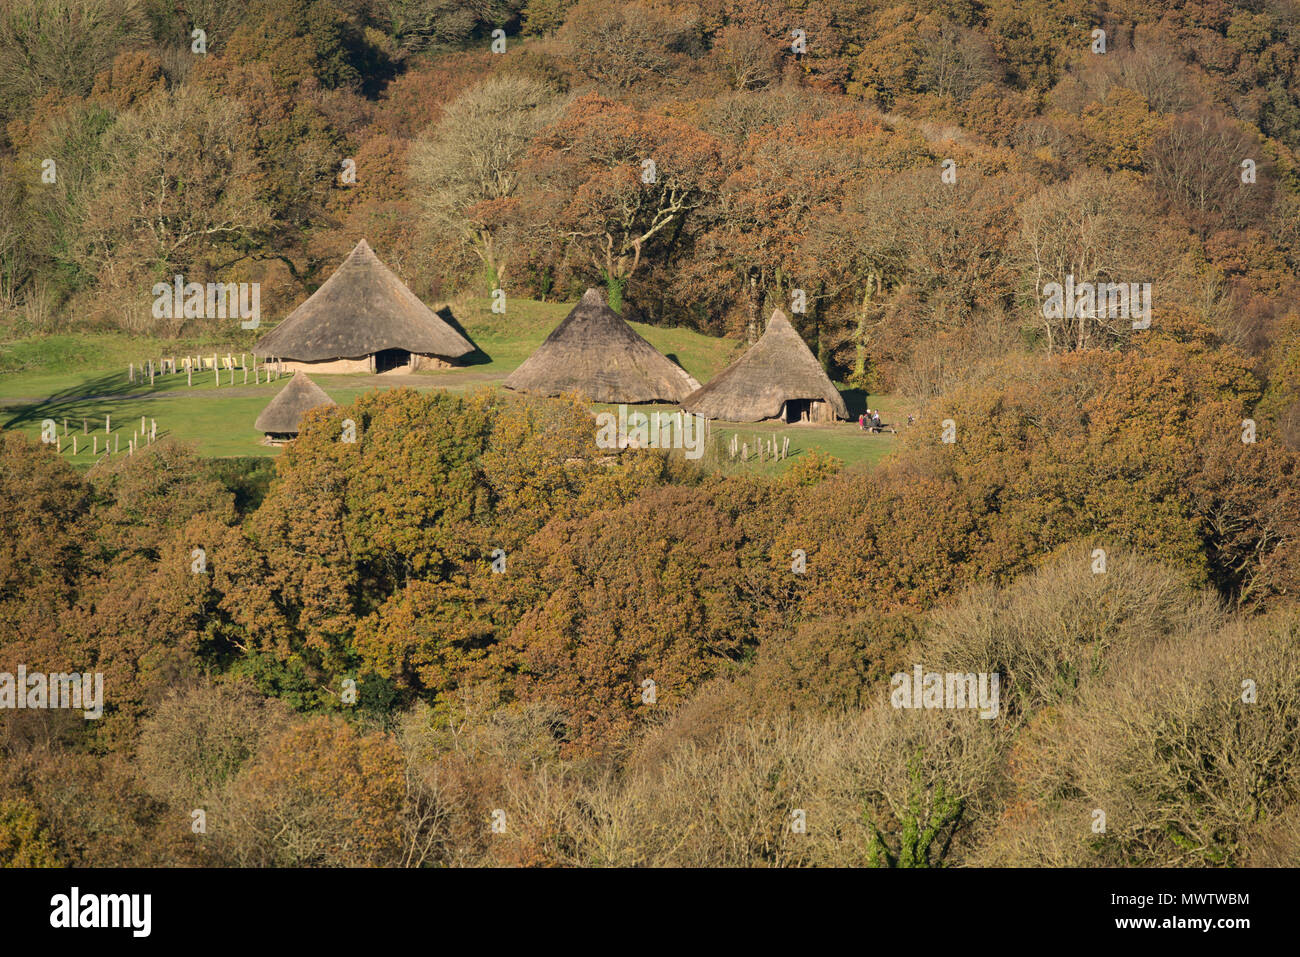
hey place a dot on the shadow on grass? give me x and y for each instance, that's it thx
(476, 358)
(65, 402)
(857, 401)
(672, 357)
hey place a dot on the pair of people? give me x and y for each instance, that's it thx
(870, 420)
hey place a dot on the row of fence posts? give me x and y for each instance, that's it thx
(270, 369)
(145, 435)
(764, 449)
(148, 370)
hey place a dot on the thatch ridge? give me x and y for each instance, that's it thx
(283, 414)
(361, 309)
(594, 352)
(776, 369)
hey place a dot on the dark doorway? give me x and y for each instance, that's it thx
(388, 359)
(796, 409)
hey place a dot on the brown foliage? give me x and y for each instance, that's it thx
(318, 793)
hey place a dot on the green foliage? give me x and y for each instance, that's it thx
(287, 681)
(247, 478)
(932, 815)
(24, 840)
(615, 286)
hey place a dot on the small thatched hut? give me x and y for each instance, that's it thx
(283, 414)
(595, 352)
(364, 319)
(778, 378)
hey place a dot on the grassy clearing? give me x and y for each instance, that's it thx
(46, 365)
(843, 440)
(83, 377)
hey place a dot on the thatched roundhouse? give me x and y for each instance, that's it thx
(281, 418)
(778, 378)
(363, 319)
(594, 352)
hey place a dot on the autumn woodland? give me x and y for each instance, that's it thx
(1048, 615)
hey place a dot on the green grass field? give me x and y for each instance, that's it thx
(77, 380)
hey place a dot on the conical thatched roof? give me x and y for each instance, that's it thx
(596, 353)
(777, 368)
(283, 414)
(361, 309)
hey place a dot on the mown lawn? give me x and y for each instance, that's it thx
(84, 377)
(43, 366)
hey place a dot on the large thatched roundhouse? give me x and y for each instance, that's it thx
(281, 418)
(594, 352)
(778, 378)
(363, 319)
